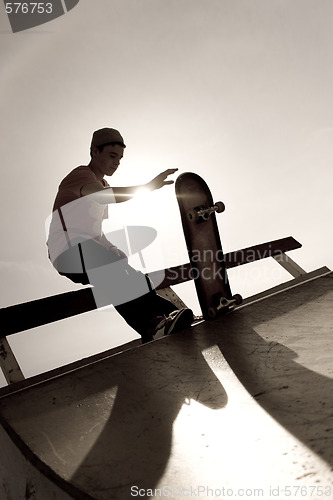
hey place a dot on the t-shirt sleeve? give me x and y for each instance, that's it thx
(77, 179)
(70, 187)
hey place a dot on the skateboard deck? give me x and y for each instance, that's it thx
(197, 211)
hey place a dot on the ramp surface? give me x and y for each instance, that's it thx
(241, 406)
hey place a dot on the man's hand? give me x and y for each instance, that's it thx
(160, 180)
(121, 194)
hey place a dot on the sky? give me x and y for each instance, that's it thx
(236, 91)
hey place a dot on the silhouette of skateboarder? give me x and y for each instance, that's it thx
(79, 250)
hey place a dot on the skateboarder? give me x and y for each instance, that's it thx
(79, 249)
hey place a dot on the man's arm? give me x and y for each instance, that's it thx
(121, 194)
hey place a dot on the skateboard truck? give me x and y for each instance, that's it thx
(222, 304)
(200, 214)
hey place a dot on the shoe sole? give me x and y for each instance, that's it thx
(181, 322)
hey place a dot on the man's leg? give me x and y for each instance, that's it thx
(119, 283)
(145, 313)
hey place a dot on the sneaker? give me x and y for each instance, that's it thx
(178, 320)
(155, 325)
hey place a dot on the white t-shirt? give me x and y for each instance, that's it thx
(76, 218)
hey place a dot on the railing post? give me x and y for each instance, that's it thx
(289, 265)
(8, 363)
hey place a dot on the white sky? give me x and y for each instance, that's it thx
(238, 91)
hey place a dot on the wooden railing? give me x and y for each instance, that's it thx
(21, 317)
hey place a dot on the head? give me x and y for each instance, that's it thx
(105, 137)
(106, 151)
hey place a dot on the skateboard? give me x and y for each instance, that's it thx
(197, 211)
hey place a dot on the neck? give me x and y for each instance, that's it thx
(96, 170)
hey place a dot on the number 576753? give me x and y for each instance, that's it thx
(28, 8)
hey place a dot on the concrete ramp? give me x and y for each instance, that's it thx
(240, 406)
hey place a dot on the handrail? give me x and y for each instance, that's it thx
(21, 317)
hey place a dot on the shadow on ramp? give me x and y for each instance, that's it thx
(100, 429)
(136, 441)
(259, 343)
(109, 426)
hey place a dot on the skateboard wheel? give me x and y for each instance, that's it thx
(220, 207)
(212, 313)
(191, 215)
(238, 299)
